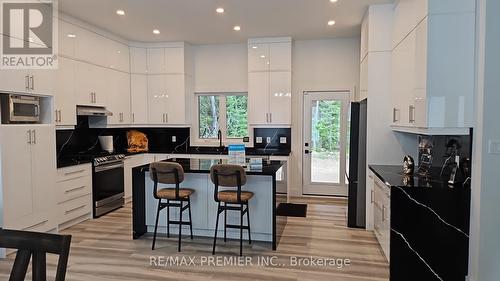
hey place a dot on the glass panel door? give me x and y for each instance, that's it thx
(325, 135)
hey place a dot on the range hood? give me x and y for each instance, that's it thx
(92, 111)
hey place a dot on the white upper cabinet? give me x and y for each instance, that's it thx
(64, 94)
(138, 60)
(67, 39)
(168, 99)
(156, 60)
(280, 55)
(118, 95)
(433, 67)
(269, 81)
(91, 89)
(157, 105)
(139, 98)
(174, 60)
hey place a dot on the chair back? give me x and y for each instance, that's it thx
(166, 173)
(36, 245)
(228, 175)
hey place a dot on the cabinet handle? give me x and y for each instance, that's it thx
(133, 117)
(372, 193)
(411, 113)
(27, 82)
(270, 118)
(34, 136)
(166, 117)
(75, 189)
(383, 212)
(267, 117)
(163, 116)
(32, 78)
(394, 115)
(57, 114)
(28, 134)
(74, 209)
(74, 172)
(60, 115)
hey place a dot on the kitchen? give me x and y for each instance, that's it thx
(319, 113)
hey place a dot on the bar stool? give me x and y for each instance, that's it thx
(171, 173)
(231, 176)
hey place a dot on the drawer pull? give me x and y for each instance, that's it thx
(383, 212)
(372, 196)
(36, 225)
(75, 189)
(75, 209)
(74, 172)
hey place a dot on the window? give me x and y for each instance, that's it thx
(225, 112)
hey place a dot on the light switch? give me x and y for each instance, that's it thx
(494, 147)
(258, 139)
(174, 139)
(268, 140)
(282, 140)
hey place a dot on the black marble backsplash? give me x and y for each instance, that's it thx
(84, 140)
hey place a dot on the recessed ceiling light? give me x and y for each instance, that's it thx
(332, 22)
(71, 35)
(254, 47)
(333, 1)
(262, 57)
(156, 31)
(120, 12)
(237, 28)
(220, 10)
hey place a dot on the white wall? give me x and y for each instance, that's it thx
(221, 68)
(318, 65)
(485, 219)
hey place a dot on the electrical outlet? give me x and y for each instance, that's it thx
(258, 139)
(494, 147)
(282, 140)
(174, 139)
(268, 140)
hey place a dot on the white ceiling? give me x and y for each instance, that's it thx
(196, 21)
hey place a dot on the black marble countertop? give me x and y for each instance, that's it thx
(202, 166)
(392, 175)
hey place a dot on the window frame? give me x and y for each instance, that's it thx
(195, 129)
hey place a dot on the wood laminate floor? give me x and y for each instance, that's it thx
(103, 250)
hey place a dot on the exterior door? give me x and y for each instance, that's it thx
(325, 139)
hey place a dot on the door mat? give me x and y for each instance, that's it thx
(292, 210)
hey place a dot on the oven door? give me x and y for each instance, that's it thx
(108, 188)
(24, 109)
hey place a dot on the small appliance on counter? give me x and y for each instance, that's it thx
(106, 143)
(20, 109)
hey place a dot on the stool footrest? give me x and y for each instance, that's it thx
(177, 222)
(236, 226)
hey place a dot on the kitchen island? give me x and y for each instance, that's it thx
(265, 224)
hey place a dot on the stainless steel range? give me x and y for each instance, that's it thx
(107, 184)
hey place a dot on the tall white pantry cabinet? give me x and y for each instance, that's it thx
(28, 176)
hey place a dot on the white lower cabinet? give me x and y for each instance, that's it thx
(382, 215)
(130, 163)
(28, 178)
(74, 195)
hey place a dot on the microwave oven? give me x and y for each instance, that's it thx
(20, 109)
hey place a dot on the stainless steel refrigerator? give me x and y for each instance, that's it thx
(356, 210)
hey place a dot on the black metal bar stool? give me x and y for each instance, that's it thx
(171, 173)
(231, 176)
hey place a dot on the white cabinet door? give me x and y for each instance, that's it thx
(363, 80)
(85, 85)
(258, 98)
(280, 98)
(156, 60)
(43, 163)
(280, 55)
(420, 78)
(258, 57)
(16, 173)
(115, 105)
(67, 39)
(138, 60)
(139, 98)
(174, 60)
(157, 99)
(86, 47)
(124, 93)
(176, 100)
(14, 80)
(43, 81)
(64, 99)
(121, 57)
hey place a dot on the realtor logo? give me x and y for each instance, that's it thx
(28, 35)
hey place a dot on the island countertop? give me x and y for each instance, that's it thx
(202, 166)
